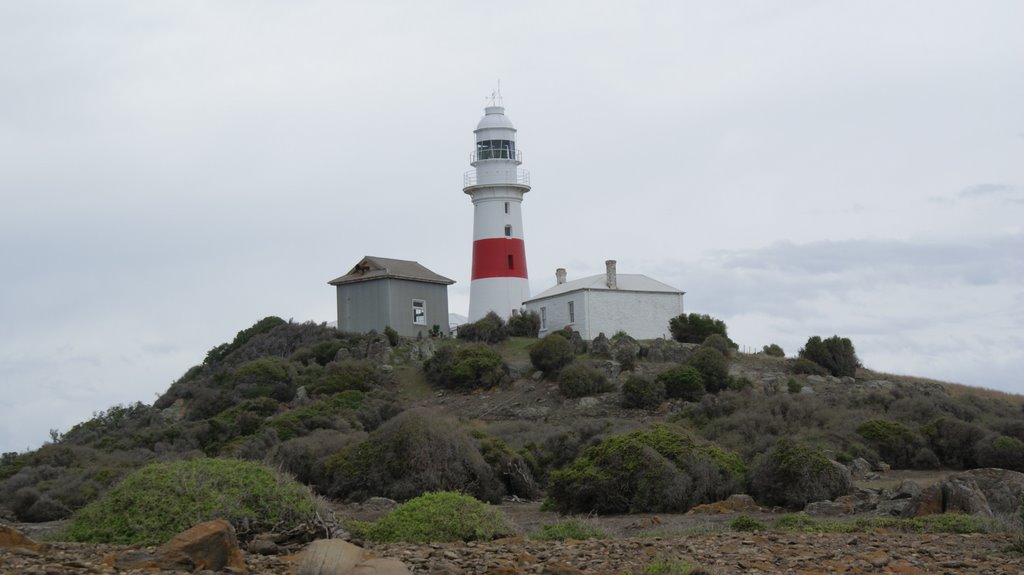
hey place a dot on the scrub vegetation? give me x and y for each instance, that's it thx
(354, 416)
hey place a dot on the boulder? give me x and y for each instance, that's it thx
(927, 502)
(207, 546)
(211, 545)
(860, 468)
(330, 557)
(601, 346)
(737, 503)
(961, 494)
(1003, 489)
(667, 350)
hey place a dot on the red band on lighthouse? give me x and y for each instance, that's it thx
(499, 258)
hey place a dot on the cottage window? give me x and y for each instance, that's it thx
(543, 318)
(572, 312)
(419, 312)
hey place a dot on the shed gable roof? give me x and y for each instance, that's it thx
(372, 268)
(626, 283)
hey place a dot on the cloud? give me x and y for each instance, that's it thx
(1005, 192)
(952, 311)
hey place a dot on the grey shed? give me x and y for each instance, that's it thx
(379, 292)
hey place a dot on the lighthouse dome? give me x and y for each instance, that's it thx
(494, 117)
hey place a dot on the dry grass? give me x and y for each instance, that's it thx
(954, 389)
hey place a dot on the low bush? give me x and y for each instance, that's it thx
(773, 350)
(646, 471)
(439, 517)
(392, 335)
(415, 452)
(682, 382)
(220, 352)
(640, 392)
(1001, 451)
(835, 354)
(713, 368)
(551, 353)
(524, 324)
(567, 529)
(357, 375)
(746, 523)
(793, 475)
(579, 379)
(162, 499)
(794, 386)
(719, 342)
(464, 368)
(954, 442)
(489, 329)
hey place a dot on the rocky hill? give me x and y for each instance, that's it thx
(356, 416)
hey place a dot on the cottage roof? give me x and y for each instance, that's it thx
(626, 283)
(372, 268)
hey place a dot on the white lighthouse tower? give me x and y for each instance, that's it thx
(496, 185)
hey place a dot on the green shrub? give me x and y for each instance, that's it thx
(567, 529)
(682, 382)
(695, 328)
(835, 354)
(794, 386)
(264, 377)
(415, 452)
(773, 350)
(793, 475)
(517, 470)
(797, 522)
(489, 329)
(524, 324)
(393, 338)
(1001, 451)
(895, 443)
(746, 523)
(162, 499)
(356, 375)
(713, 368)
(551, 353)
(655, 470)
(464, 368)
(579, 380)
(954, 442)
(719, 342)
(640, 392)
(440, 517)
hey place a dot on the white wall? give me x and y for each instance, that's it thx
(643, 315)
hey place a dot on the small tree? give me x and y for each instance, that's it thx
(642, 393)
(713, 368)
(836, 354)
(719, 342)
(682, 382)
(774, 350)
(695, 328)
(524, 324)
(551, 353)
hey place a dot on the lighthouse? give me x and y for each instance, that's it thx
(497, 185)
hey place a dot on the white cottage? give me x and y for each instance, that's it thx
(608, 303)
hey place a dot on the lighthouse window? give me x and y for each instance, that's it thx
(419, 312)
(511, 262)
(508, 231)
(495, 149)
(506, 207)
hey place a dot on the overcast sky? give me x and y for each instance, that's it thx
(171, 172)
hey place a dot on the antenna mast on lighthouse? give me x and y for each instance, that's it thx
(497, 185)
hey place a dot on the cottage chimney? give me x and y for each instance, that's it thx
(610, 278)
(560, 276)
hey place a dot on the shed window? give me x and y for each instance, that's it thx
(419, 312)
(572, 312)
